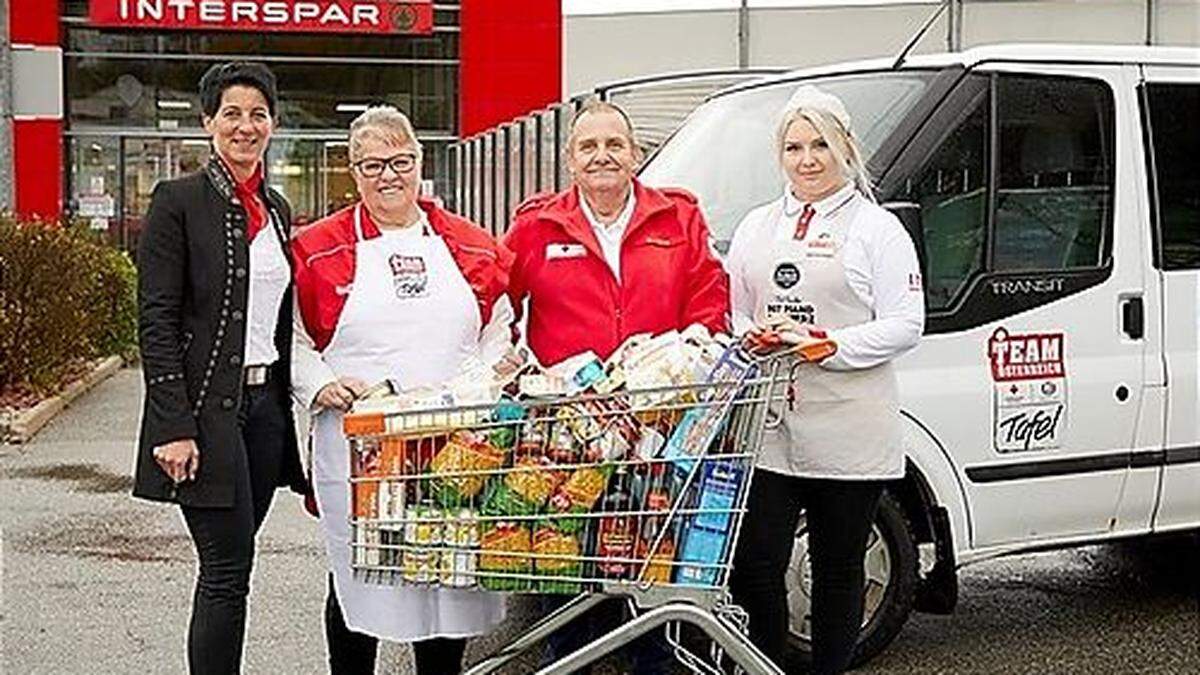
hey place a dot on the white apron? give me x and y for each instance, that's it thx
(410, 316)
(846, 423)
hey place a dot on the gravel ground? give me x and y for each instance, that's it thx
(93, 581)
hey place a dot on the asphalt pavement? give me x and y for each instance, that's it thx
(93, 581)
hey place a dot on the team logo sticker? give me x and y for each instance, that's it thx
(1029, 397)
(409, 276)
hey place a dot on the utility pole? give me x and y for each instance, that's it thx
(7, 201)
(744, 35)
(954, 24)
(1150, 32)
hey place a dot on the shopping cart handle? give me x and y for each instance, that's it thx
(813, 350)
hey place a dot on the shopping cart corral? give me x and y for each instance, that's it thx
(616, 492)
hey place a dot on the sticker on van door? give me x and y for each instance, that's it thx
(1029, 390)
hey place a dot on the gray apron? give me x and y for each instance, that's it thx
(843, 424)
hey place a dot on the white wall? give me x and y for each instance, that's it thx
(809, 37)
(602, 47)
(598, 49)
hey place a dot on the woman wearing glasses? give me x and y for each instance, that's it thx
(393, 287)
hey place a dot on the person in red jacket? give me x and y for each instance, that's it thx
(607, 259)
(611, 257)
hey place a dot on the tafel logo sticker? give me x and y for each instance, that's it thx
(1029, 383)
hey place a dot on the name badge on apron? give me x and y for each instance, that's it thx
(824, 246)
(410, 277)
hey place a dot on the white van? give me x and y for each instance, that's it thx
(1053, 193)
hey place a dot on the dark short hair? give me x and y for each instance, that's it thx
(225, 75)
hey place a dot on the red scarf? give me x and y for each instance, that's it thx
(249, 193)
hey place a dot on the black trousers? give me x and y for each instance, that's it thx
(839, 516)
(352, 653)
(224, 538)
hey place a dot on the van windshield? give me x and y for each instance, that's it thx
(724, 152)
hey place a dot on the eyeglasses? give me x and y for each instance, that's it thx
(373, 167)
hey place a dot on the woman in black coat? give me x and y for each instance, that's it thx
(215, 331)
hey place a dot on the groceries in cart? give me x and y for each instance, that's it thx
(631, 470)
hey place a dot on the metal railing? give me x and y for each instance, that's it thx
(494, 171)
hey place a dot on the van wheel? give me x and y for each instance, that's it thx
(890, 582)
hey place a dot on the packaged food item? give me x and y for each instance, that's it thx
(562, 446)
(579, 494)
(524, 489)
(420, 565)
(704, 548)
(366, 545)
(533, 439)
(460, 553)
(650, 443)
(533, 481)
(391, 497)
(541, 385)
(504, 549)
(391, 545)
(465, 452)
(549, 540)
(366, 499)
(423, 525)
(422, 535)
(720, 482)
(504, 436)
(616, 534)
(658, 559)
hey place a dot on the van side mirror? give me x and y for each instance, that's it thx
(909, 214)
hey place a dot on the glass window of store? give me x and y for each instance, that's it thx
(133, 113)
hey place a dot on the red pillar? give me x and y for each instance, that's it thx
(37, 134)
(510, 60)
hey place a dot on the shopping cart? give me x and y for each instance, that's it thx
(636, 494)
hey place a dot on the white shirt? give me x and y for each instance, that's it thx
(609, 236)
(881, 268)
(269, 278)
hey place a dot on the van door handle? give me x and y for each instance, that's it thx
(1133, 317)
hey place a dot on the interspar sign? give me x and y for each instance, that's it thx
(297, 16)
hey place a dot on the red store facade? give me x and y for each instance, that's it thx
(105, 102)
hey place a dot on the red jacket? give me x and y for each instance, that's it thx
(670, 278)
(324, 263)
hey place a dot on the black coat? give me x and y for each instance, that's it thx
(193, 280)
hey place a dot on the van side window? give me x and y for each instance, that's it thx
(1055, 173)
(952, 192)
(1175, 140)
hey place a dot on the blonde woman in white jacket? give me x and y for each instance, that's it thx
(823, 259)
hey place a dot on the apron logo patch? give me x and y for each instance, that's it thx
(409, 276)
(787, 275)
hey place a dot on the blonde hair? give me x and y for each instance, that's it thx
(841, 143)
(385, 123)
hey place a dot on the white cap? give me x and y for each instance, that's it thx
(811, 98)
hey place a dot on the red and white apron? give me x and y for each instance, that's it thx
(411, 317)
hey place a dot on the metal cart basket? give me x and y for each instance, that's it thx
(634, 493)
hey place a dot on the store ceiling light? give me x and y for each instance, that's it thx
(351, 107)
(167, 104)
(195, 141)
